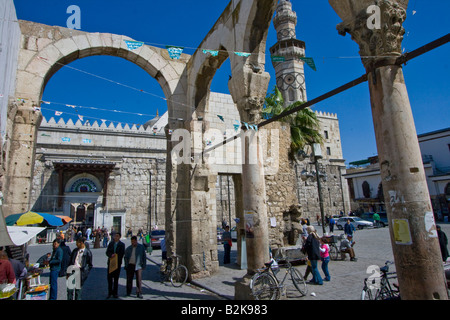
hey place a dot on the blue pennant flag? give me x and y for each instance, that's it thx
(236, 125)
(214, 53)
(132, 45)
(309, 62)
(174, 52)
(243, 54)
(220, 117)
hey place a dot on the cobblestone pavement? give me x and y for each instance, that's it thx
(373, 247)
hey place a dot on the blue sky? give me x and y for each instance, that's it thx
(185, 23)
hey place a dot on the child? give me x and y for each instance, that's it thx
(325, 257)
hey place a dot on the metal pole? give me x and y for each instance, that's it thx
(319, 189)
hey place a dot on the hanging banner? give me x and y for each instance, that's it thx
(133, 45)
(214, 53)
(243, 54)
(174, 52)
(249, 224)
(309, 62)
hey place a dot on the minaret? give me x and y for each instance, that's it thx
(290, 74)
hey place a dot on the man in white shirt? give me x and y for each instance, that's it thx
(135, 261)
(79, 266)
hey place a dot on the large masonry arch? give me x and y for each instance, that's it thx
(43, 51)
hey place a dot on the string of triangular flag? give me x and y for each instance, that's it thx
(176, 51)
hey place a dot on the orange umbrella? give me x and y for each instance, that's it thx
(65, 219)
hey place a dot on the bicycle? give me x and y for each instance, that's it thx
(174, 271)
(265, 285)
(379, 287)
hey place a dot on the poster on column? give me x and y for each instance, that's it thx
(249, 217)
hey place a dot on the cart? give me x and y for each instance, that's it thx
(36, 289)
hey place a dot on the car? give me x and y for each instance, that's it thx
(156, 237)
(369, 217)
(357, 222)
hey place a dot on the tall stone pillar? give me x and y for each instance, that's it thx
(379, 33)
(25, 121)
(248, 89)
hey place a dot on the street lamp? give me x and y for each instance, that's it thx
(304, 175)
(317, 154)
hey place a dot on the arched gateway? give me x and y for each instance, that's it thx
(242, 27)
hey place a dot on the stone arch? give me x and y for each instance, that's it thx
(48, 60)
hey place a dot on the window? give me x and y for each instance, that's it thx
(366, 189)
(329, 151)
(326, 134)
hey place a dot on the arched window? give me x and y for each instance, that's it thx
(292, 96)
(83, 185)
(366, 189)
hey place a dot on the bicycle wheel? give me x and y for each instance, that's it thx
(334, 252)
(299, 281)
(179, 276)
(264, 287)
(366, 294)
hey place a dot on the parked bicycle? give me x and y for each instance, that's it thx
(379, 286)
(174, 271)
(266, 286)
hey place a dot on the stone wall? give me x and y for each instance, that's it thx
(9, 49)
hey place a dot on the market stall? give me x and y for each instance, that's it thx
(14, 239)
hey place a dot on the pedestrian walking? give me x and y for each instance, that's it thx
(325, 257)
(349, 228)
(105, 237)
(81, 264)
(443, 242)
(376, 220)
(65, 259)
(115, 253)
(135, 261)
(227, 243)
(55, 267)
(332, 224)
(312, 248)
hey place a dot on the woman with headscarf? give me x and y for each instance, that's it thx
(312, 247)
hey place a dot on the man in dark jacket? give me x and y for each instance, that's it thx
(80, 265)
(312, 249)
(135, 261)
(55, 267)
(116, 248)
(66, 258)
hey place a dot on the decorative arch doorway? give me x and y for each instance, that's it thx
(83, 195)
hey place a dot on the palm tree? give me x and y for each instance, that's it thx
(304, 125)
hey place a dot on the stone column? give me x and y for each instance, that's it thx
(414, 239)
(248, 89)
(19, 173)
